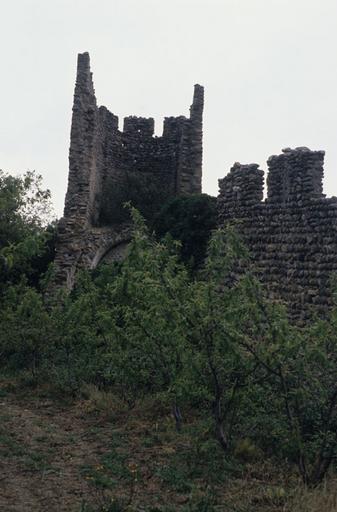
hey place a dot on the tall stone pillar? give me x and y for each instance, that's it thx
(196, 113)
(190, 152)
(83, 179)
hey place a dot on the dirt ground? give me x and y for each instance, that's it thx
(92, 455)
(74, 457)
(42, 449)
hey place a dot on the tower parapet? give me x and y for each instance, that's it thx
(242, 187)
(295, 176)
(139, 125)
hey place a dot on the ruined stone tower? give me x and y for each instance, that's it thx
(101, 156)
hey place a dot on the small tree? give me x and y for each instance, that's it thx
(181, 336)
(25, 211)
(223, 316)
(26, 332)
(300, 394)
(141, 320)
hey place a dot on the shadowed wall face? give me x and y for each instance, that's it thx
(108, 167)
(292, 235)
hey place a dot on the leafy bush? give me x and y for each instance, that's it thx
(26, 240)
(207, 344)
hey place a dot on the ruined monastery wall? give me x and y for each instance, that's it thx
(292, 235)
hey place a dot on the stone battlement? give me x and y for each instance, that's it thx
(292, 234)
(295, 176)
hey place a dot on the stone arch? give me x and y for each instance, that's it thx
(112, 251)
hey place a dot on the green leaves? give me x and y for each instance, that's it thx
(25, 209)
(211, 343)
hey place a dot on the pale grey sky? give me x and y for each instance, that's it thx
(268, 67)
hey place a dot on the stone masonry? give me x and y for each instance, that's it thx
(292, 234)
(100, 153)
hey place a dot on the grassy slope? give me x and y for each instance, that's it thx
(94, 455)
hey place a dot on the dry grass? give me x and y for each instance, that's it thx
(323, 499)
(96, 449)
(101, 402)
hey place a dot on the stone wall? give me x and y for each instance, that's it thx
(292, 234)
(101, 155)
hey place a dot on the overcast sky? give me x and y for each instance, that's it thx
(269, 68)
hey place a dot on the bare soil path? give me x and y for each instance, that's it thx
(43, 448)
(74, 458)
(86, 455)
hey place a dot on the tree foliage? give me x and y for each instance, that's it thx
(207, 343)
(26, 239)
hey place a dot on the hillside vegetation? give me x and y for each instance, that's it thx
(165, 382)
